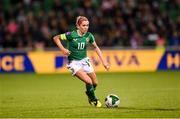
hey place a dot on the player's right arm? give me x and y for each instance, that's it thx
(99, 53)
(57, 39)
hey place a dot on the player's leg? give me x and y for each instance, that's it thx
(94, 80)
(83, 77)
(89, 87)
(76, 69)
(88, 68)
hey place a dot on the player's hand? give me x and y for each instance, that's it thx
(106, 66)
(66, 52)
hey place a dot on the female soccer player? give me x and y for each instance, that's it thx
(78, 62)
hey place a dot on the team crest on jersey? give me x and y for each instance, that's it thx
(87, 39)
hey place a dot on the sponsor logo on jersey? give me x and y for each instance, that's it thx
(75, 39)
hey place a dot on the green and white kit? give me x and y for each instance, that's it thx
(77, 45)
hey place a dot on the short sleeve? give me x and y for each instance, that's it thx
(92, 39)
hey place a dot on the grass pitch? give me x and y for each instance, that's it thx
(61, 95)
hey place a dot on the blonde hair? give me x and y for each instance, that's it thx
(80, 19)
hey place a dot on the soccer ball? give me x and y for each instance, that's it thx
(112, 100)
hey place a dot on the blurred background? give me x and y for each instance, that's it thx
(31, 24)
(141, 35)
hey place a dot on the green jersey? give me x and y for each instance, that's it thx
(76, 44)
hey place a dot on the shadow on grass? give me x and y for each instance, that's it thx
(145, 109)
(124, 108)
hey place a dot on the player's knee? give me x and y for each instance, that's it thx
(89, 82)
(94, 86)
(95, 82)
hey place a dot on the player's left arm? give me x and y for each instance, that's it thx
(99, 53)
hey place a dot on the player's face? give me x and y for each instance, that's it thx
(83, 27)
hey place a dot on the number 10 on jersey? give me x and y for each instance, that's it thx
(81, 45)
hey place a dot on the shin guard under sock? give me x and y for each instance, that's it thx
(90, 92)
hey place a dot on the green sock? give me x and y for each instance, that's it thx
(94, 85)
(90, 92)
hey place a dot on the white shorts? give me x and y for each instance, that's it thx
(83, 64)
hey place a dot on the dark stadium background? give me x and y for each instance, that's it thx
(115, 23)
